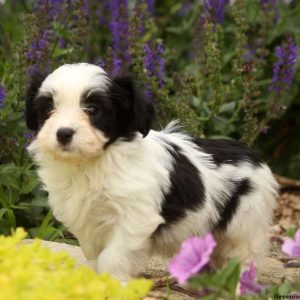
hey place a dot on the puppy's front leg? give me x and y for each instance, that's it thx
(121, 261)
(127, 251)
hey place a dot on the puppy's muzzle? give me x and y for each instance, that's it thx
(64, 135)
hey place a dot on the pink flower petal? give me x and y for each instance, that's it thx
(287, 246)
(297, 236)
(296, 250)
(194, 254)
(292, 247)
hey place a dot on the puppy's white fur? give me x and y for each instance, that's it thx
(111, 199)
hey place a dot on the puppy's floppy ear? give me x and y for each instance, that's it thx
(35, 83)
(135, 112)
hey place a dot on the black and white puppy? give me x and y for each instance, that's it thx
(126, 191)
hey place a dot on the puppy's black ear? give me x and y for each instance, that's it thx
(134, 111)
(35, 83)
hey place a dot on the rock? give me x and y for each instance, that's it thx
(274, 272)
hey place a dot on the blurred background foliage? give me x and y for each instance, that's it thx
(223, 68)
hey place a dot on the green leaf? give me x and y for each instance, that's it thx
(227, 107)
(284, 289)
(2, 213)
(291, 231)
(29, 184)
(229, 276)
(9, 216)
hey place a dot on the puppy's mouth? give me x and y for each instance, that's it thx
(65, 148)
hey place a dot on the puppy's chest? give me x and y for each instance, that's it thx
(81, 206)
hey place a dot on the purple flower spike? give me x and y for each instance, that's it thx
(151, 6)
(160, 63)
(2, 96)
(248, 284)
(119, 27)
(149, 60)
(185, 8)
(269, 6)
(284, 67)
(292, 247)
(193, 256)
(100, 62)
(215, 9)
(154, 62)
(268, 2)
(29, 136)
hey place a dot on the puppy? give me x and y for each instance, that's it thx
(126, 191)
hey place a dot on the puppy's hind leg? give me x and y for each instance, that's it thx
(247, 235)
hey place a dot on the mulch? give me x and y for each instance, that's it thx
(287, 213)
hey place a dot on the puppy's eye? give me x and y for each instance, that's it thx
(92, 110)
(44, 107)
(49, 107)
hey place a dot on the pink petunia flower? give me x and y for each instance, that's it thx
(248, 284)
(193, 256)
(292, 247)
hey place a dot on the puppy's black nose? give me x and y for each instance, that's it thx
(64, 135)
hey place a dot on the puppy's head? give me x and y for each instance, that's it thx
(78, 111)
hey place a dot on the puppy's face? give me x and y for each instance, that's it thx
(78, 111)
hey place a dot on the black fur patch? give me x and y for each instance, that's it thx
(228, 151)
(231, 204)
(187, 191)
(134, 113)
(43, 106)
(30, 107)
(121, 112)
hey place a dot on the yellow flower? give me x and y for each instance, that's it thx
(31, 271)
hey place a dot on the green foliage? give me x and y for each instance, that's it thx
(30, 271)
(223, 285)
(291, 231)
(219, 284)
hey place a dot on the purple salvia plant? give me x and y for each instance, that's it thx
(38, 53)
(142, 11)
(160, 63)
(100, 62)
(83, 4)
(185, 8)
(267, 5)
(284, 67)
(268, 2)
(103, 12)
(119, 27)
(154, 65)
(85, 7)
(149, 62)
(149, 65)
(2, 96)
(151, 6)
(270, 7)
(215, 10)
(55, 7)
(29, 136)
(154, 62)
